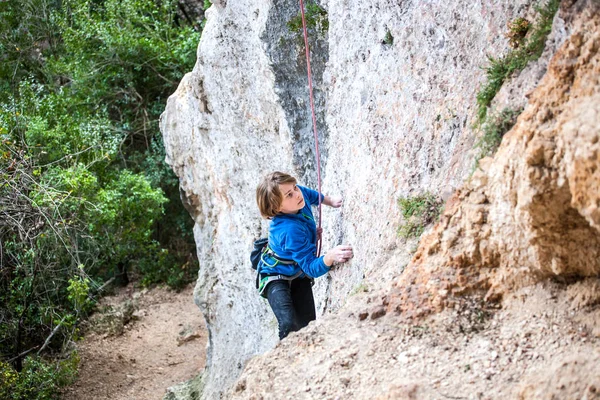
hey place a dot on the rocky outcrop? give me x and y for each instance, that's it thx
(501, 299)
(396, 85)
(528, 213)
(225, 126)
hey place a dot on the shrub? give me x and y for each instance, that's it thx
(39, 379)
(83, 185)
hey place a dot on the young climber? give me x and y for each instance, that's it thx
(290, 263)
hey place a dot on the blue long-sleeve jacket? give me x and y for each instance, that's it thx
(293, 237)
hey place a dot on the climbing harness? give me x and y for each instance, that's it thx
(261, 252)
(314, 120)
(261, 248)
(262, 283)
(278, 260)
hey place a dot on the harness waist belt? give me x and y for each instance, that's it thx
(278, 260)
(267, 279)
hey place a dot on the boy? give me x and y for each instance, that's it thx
(291, 262)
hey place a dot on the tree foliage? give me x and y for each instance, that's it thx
(84, 193)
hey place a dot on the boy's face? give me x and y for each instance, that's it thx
(293, 201)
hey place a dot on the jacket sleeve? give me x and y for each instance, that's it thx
(303, 252)
(312, 196)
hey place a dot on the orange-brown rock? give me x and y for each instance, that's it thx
(532, 212)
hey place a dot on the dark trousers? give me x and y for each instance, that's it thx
(293, 304)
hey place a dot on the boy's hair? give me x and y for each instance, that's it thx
(268, 195)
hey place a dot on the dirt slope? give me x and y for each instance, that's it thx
(163, 344)
(543, 343)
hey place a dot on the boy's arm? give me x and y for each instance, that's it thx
(333, 201)
(303, 252)
(313, 198)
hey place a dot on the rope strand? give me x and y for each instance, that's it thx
(314, 120)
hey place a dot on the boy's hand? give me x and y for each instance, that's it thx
(339, 254)
(333, 201)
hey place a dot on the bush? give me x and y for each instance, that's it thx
(39, 379)
(126, 57)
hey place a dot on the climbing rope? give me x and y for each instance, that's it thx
(314, 120)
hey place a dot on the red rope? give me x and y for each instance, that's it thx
(314, 120)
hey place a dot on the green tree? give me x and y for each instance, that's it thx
(83, 185)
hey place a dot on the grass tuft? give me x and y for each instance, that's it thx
(494, 128)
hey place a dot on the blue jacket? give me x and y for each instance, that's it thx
(293, 237)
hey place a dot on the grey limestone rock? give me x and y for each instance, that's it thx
(395, 86)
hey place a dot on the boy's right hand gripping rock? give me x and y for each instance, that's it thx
(339, 254)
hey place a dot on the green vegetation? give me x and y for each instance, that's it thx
(85, 197)
(517, 30)
(316, 19)
(361, 288)
(528, 43)
(388, 40)
(39, 379)
(493, 129)
(418, 212)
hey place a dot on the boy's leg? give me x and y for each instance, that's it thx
(280, 300)
(304, 303)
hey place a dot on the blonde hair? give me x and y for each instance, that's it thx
(268, 195)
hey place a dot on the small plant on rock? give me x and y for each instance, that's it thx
(493, 129)
(388, 39)
(316, 18)
(517, 29)
(362, 288)
(418, 212)
(530, 48)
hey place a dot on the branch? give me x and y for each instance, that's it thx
(108, 282)
(22, 354)
(47, 342)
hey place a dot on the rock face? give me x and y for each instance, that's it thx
(527, 214)
(395, 92)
